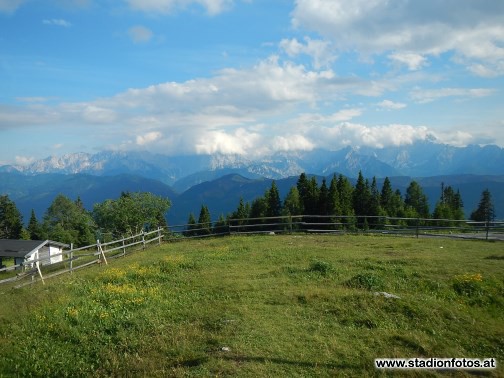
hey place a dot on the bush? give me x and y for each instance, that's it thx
(321, 267)
(469, 285)
(365, 281)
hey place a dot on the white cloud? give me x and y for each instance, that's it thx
(352, 134)
(294, 142)
(96, 114)
(319, 50)
(429, 95)
(239, 142)
(10, 6)
(271, 106)
(473, 30)
(390, 105)
(140, 34)
(212, 7)
(24, 160)
(57, 22)
(318, 119)
(411, 60)
(148, 138)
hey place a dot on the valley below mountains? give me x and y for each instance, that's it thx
(219, 181)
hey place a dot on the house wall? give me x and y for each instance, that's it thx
(55, 251)
(47, 255)
(26, 261)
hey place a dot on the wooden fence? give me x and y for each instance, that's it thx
(77, 258)
(99, 253)
(337, 224)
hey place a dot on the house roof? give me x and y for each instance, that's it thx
(24, 248)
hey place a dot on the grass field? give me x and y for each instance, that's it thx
(293, 306)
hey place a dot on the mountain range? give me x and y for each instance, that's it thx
(219, 181)
(420, 159)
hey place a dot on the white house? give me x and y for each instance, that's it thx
(24, 251)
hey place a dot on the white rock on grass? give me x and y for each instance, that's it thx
(386, 295)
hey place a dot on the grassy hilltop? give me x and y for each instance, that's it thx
(262, 306)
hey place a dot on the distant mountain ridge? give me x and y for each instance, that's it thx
(220, 180)
(221, 195)
(420, 159)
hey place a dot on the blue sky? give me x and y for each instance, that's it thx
(247, 76)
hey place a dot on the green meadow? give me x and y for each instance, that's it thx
(249, 306)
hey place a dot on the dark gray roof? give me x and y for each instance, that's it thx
(23, 248)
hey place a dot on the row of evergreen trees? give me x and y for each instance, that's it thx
(68, 221)
(354, 205)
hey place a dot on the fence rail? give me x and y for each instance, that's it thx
(338, 224)
(99, 253)
(77, 258)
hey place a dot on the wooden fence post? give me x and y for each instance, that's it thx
(143, 240)
(124, 248)
(100, 250)
(37, 264)
(159, 235)
(71, 257)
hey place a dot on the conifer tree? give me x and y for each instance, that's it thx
(374, 204)
(191, 226)
(221, 225)
(323, 200)
(34, 228)
(334, 203)
(204, 221)
(274, 208)
(416, 201)
(361, 198)
(292, 203)
(387, 198)
(11, 220)
(345, 191)
(302, 187)
(485, 211)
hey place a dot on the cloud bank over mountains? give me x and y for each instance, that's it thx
(359, 73)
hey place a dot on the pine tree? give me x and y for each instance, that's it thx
(34, 228)
(374, 204)
(345, 190)
(204, 221)
(485, 211)
(221, 225)
(273, 200)
(302, 187)
(11, 220)
(449, 206)
(191, 225)
(334, 203)
(323, 199)
(241, 213)
(292, 203)
(259, 210)
(387, 198)
(361, 198)
(311, 200)
(416, 201)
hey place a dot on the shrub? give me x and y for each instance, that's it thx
(321, 267)
(365, 281)
(469, 285)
